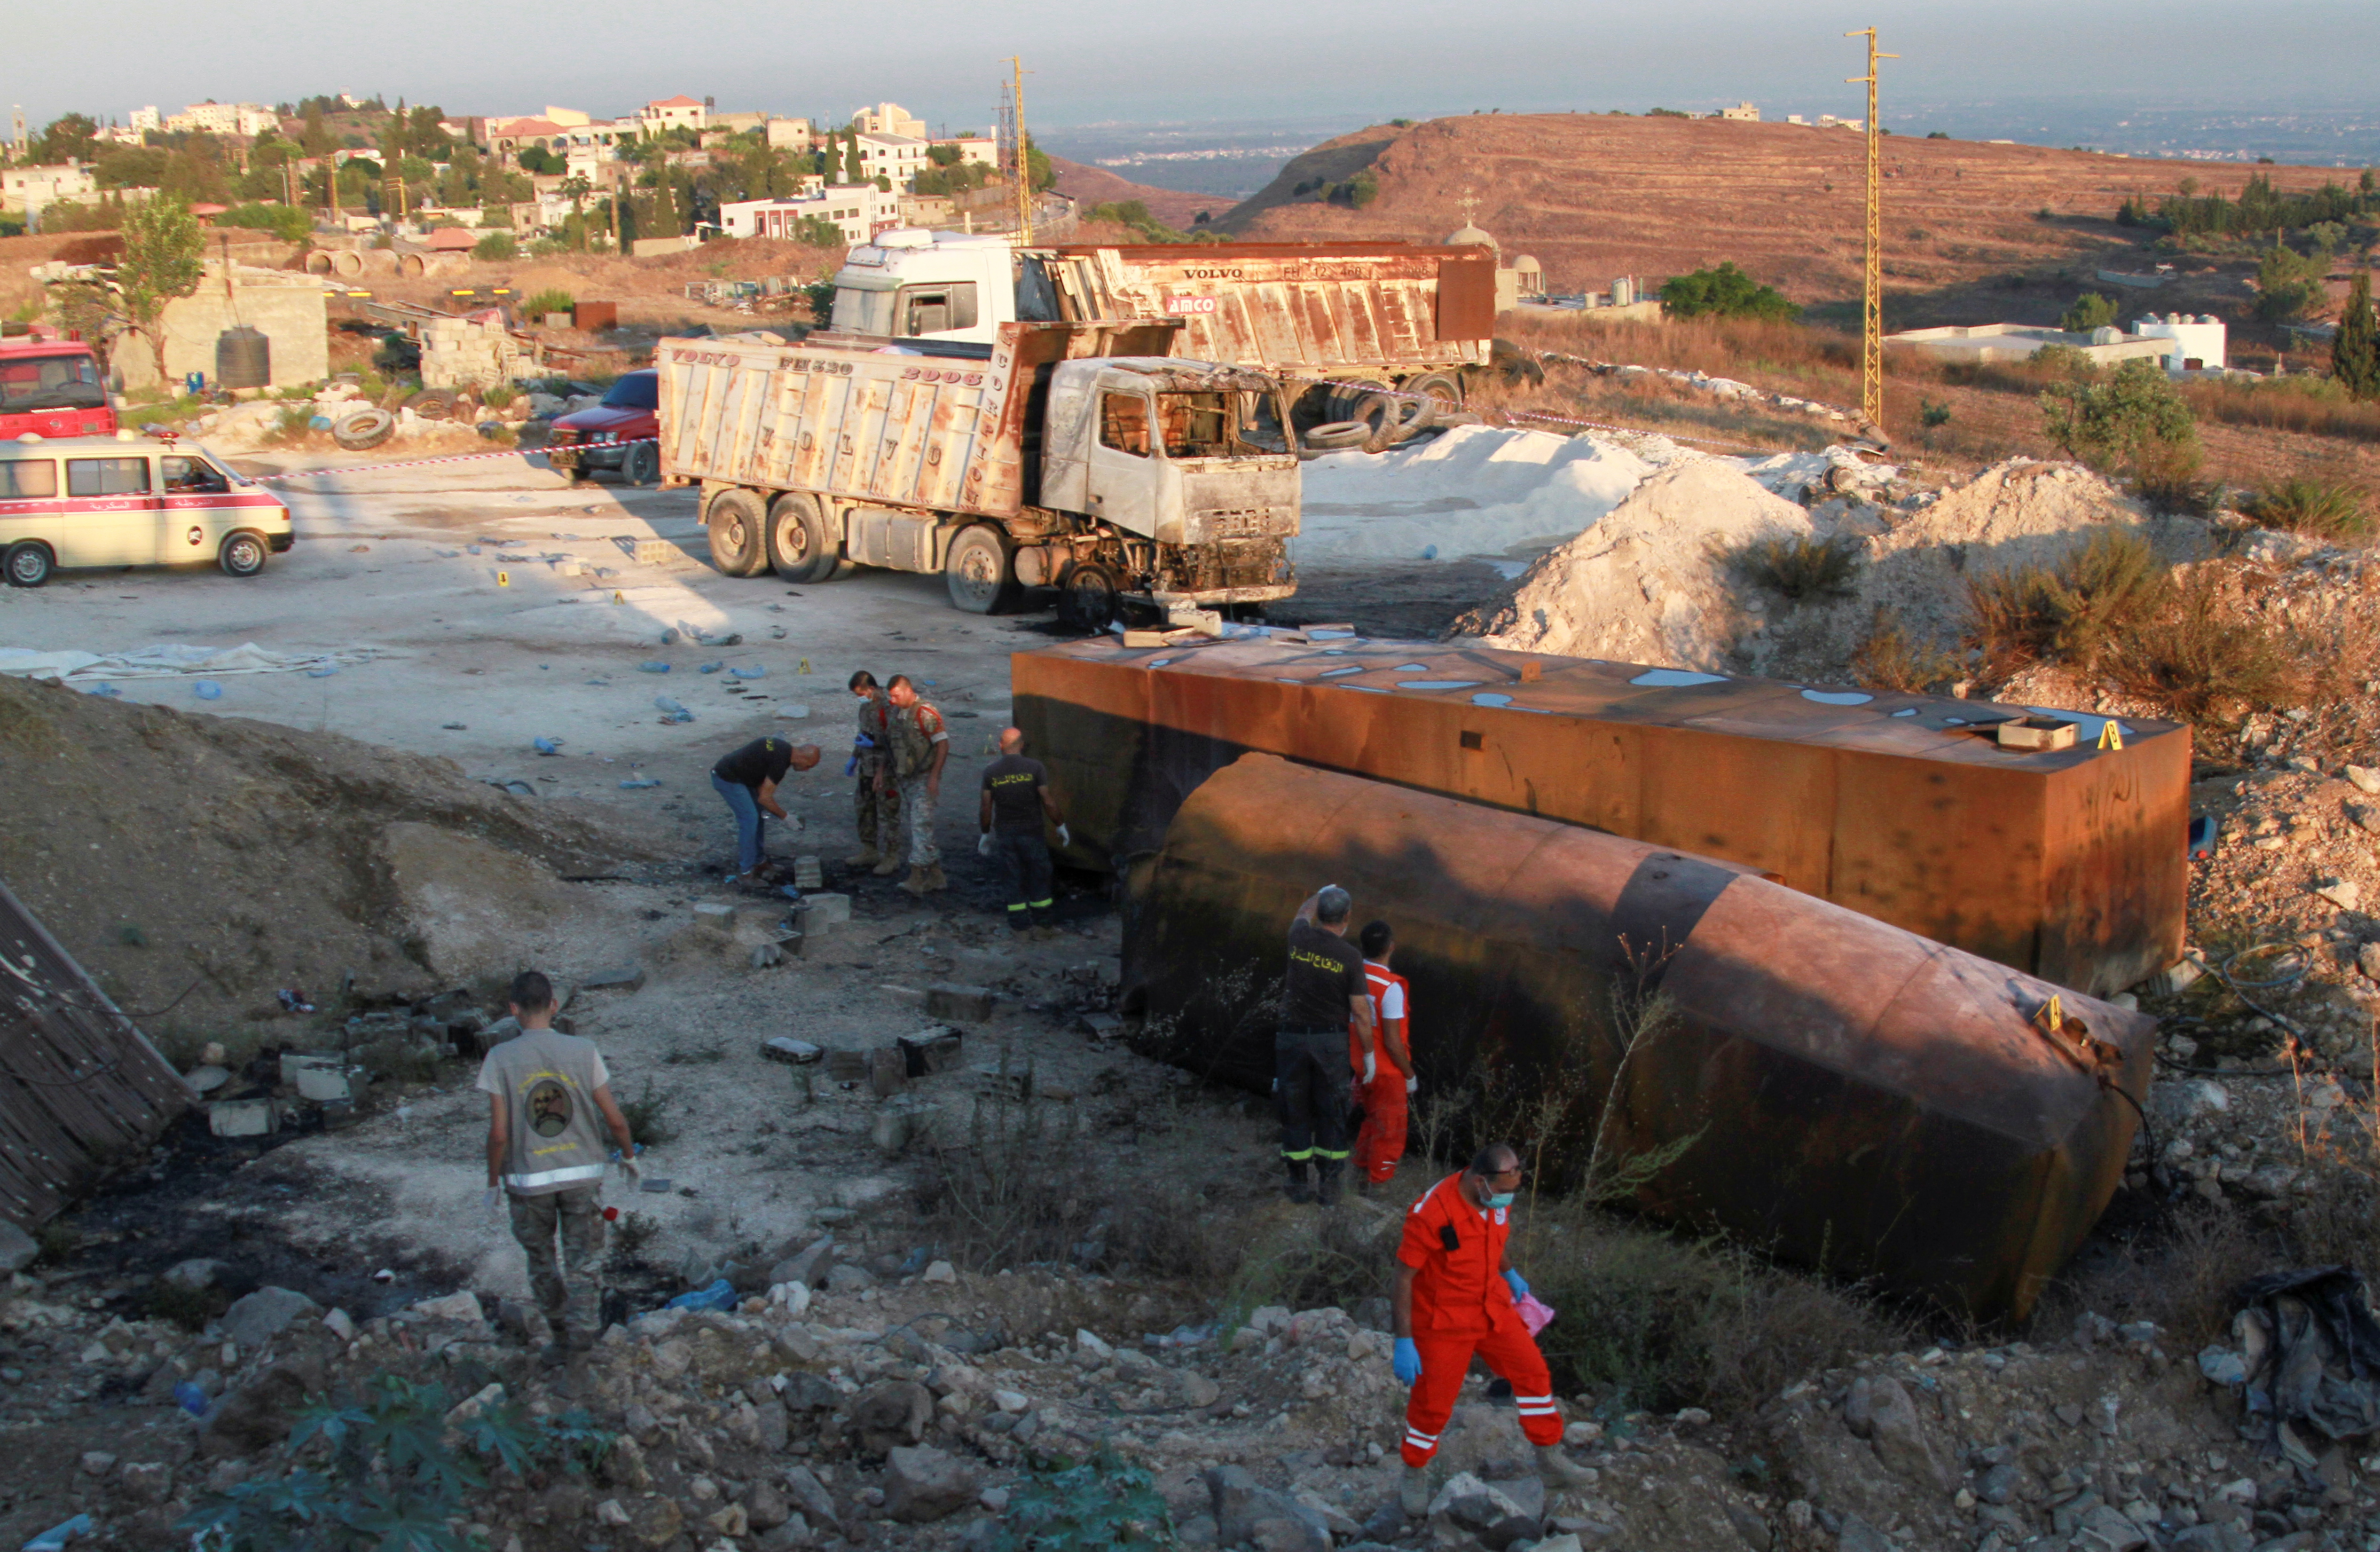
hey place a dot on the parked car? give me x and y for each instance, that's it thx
(620, 436)
(123, 501)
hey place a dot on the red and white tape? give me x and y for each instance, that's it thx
(449, 458)
(1511, 415)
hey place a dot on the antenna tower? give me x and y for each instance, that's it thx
(1024, 161)
(1872, 326)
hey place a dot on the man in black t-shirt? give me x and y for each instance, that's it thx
(1322, 992)
(1016, 799)
(747, 782)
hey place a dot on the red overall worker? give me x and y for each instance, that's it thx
(1454, 1293)
(1382, 1087)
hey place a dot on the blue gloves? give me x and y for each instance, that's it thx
(1407, 1362)
(1519, 1288)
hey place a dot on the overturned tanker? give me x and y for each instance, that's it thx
(1841, 1090)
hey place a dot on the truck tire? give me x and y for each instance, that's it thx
(640, 463)
(1347, 400)
(1337, 436)
(739, 546)
(242, 554)
(801, 548)
(28, 563)
(1402, 417)
(433, 404)
(1089, 597)
(981, 577)
(360, 430)
(1445, 387)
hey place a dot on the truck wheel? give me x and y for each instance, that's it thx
(359, 431)
(737, 544)
(1089, 598)
(978, 570)
(433, 404)
(28, 563)
(1347, 401)
(800, 548)
(242, 554)
(1338, 436)
(1445, 387)
(1402, 417)
(640, 463)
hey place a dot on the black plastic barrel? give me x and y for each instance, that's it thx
(243, 359)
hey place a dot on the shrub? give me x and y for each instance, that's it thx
(2200, 655)
(1801, 566)
(2167, 474)
(500, 395)
(2070, 613)
(2321, 509)
(1104, 1502)
(2105, 422)
(2288, 284)
(633, 1234)
(1890, 659)
(496, 247)
(286, 221)
(2091, 311)
(1725, 292)
(643, 1115)
(552, 299)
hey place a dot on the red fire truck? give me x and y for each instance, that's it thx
(52, 386)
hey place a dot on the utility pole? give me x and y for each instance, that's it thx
(1872, 327)
(1024, 162)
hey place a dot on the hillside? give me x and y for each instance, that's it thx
(1593, 197)
(1096, 186)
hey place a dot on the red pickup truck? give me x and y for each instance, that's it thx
(622, 434)
(53, 387)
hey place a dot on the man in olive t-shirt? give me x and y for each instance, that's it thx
(548, 1104)
(1323, 996)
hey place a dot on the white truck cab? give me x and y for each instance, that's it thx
(912, 284)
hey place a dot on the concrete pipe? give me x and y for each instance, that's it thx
(318, 262)
(411, 264)
(1841, 1092)
(382, 261)
(349, 263)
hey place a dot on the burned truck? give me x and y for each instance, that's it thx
(1079, 456)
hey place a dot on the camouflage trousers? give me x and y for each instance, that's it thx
(879, 816)
(569, 1290)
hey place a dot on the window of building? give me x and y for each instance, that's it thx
(28, 478)
(1123, 423)
(107, 476)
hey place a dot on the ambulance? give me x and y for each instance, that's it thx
(127, 500)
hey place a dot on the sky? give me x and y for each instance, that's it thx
(1094, 61)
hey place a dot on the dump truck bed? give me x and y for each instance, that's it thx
(940, 428)
(1315, 309)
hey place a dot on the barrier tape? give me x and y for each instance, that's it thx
(1511, 415)
(448, 458)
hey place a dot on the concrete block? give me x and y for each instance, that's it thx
(808, 874)
(244, 1118)
(824, 910)
(624, 978)
(784, 1048)
(655, 552)
(294, 1062)
(946, 1000)
(720, 913)
(324, 1085)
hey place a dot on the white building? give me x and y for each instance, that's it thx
(975, 148)
(790, 133)
(224, 118)
(1743, 113)
(1828, 121)
(858, 211)
(28, 190)
(2198, 342)
(673, 112)
(887, 118)
(898, 157)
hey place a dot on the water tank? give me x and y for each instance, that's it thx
(1623, 291)
(243, 359)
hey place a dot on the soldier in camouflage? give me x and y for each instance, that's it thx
(876, 803)
(919, 745)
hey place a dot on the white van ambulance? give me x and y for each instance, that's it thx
(126, 501)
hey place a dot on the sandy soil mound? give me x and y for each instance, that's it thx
(1472, 491)
(163, 848)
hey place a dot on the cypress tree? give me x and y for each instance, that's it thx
(2355, 351)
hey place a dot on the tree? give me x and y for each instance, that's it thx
(2091, 311)
(2355, 352)
(496, 247)
(316, 136)
(1725, 292)
(71, 135)
(2288, 284)
(852, 170)
(537, 159)
(161, 244)
(2135, 410)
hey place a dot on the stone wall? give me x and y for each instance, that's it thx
(289, 308)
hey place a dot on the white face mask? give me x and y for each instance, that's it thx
(1502, 1199)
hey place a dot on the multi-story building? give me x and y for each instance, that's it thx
(224, 118)
(898, 157)
(673, 112)
(889, 118)
(858, 211)
(1743, 113)
(975, 148)
(790, 133)
(28, 190)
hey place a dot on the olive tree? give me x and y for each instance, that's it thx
(161, 244)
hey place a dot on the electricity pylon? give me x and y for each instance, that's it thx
(1872, 326)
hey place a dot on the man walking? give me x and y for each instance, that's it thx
(1015, 800)
(1455, 1298)
(548, 1102)
(746, 780)
(1386, 1082)
(919, 746)
(876, 807)
(1322, 996)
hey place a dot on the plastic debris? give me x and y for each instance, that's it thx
(710, 668)
(638, 786)
(669, 638)
(190, 1399)
(207, 689)
(720, 1295)
(653, 668)
(666, 704)
(759, 672)
(546, 746)
(325, 672)
(104, 688)
(55, 1538)
(293, 1000)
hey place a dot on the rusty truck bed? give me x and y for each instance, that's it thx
(1312, 310)
(2069, 864)
(1835, 1089)
(859, 419)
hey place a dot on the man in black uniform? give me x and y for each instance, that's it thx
(747, 782)
(1015, 797)
(1322, 993)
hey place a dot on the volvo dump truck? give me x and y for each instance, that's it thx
(1334, 320)
(1082, 457)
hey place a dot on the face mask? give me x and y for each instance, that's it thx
(1502, 1199)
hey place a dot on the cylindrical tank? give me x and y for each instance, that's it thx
(1836, 1090)
(1623, 291)
(243, 359)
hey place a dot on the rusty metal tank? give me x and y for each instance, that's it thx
(1858, 1097)
(2066, 863)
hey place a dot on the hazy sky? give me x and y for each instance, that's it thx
(1095, 60)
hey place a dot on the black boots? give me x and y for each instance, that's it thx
(1297, 1189)
(1331, 1170)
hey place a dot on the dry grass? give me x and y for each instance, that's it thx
(2071, 612)
(2321, 509)
(1890, 659)
(2312, 405)
(2179, 1273)
(2201, 656)
(1800, 567)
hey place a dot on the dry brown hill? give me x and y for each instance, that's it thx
(1097, 186)
(1593, 197)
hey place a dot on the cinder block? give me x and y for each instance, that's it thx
(293, 1063)
(946, 1000)
(656, 551)
(720, 913)
(244, 1118)
(324, 1085)
(824, 910)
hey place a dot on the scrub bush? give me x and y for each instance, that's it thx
(1801, 567)
(2321, 509)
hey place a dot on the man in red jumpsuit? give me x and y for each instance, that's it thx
(1384, 1077)
(1454, 1293)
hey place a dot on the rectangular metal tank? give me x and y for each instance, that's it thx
(2067, 864)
